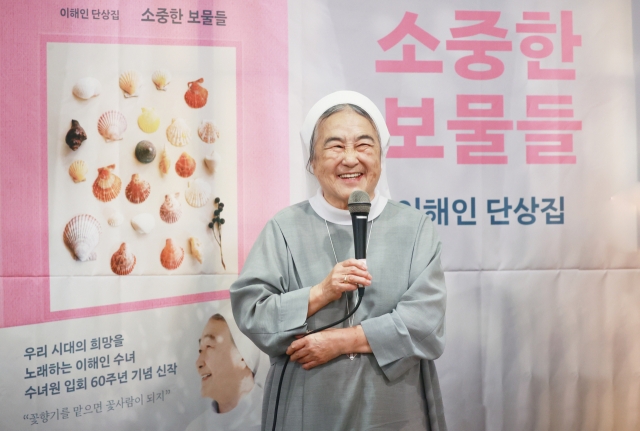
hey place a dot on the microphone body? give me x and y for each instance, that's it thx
(359, 207)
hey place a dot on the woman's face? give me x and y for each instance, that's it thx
(347, 157)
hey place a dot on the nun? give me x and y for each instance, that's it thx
(376, 370)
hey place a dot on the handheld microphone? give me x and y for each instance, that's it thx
(359, 207)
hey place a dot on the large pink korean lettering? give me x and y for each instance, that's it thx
(480, 106)
(539, 154)
(490, 67)
(410, 149)
(408, 27)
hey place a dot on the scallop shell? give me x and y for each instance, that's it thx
(143, 223)
(111, 126)
(165, 162)
(75, 136)
(212, 161)
(137, 190)
(196, 96)
(196, 248)
(130, 83)
(81, 236)
(208, 131)
(178, 133)
(171, 209)
(107, 186)
(145, 152)
(86, 88)
(115, 219)
(171, 256)
(198, 193)
(161, 78)
(123, 261)
(78, 171)
(186, 165)
(148, 121)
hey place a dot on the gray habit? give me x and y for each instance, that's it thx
(402, 315)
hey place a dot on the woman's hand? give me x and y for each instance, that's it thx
(344, 277)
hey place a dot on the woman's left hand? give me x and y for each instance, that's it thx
(316, 349)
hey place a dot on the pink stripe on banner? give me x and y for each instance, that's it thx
(257, 30)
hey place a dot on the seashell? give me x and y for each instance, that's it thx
(107, 186)
(165, 162)
(148, 121)
(196, 95)
(178, 133)
(81, 236)
(171, 209)
(86, 88)
(196, 248)
(130, 83)
(161, 78)
(208, 132)
(145, 152)
(198, 193)
(123, 261)
(143, 223)
(212, 161)
(115, 219)
(75, 136)
(111, 126)
(78, 171)
(186, 165)
(171, 256)
(137, 190)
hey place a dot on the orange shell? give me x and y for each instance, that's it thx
(137, 190)
(186, 165)
(123, 261)
(107, 186)
(196, 95)
(171, 256)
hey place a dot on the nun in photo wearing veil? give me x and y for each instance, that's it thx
(375, 371)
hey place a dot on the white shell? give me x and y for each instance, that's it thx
(86, 88)
(130, 83)
(196, 248)
(161, 78)
(78, 171)
(143, 223)
(115, 219)
(178, 133)
(208, 131)
(111, 126)
(198, 193)
(212, 161)
(81, 235)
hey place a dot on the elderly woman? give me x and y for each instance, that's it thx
(376, 370)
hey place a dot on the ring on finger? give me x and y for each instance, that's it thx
(346, 279)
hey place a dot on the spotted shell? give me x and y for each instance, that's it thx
(123, 260)
(186, 165)
(178, 133)
(171, 256)
(208, 131)
(130, 83)
(115, 219)
(161, 78)
(196, 96)
(196, 248)
(111, 126)
(137, 190)
(145, 152)
(78, 171)
(143, 223)
(198, 193)
(75, 136)
(171, 209)
(107, 186)
(212, 161)
(148, 121)
(165, 162)
(86, 88)
(81, 236)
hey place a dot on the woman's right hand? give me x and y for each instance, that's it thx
(344, 277)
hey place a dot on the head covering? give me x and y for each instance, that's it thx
(339, 98)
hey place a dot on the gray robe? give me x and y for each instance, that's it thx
(402, 315)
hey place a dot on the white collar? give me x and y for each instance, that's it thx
(330, 213)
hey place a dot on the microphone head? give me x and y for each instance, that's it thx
(359, 202)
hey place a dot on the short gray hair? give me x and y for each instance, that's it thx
(328, 113)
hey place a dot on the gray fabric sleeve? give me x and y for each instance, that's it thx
(268, 305)
(415, 329)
